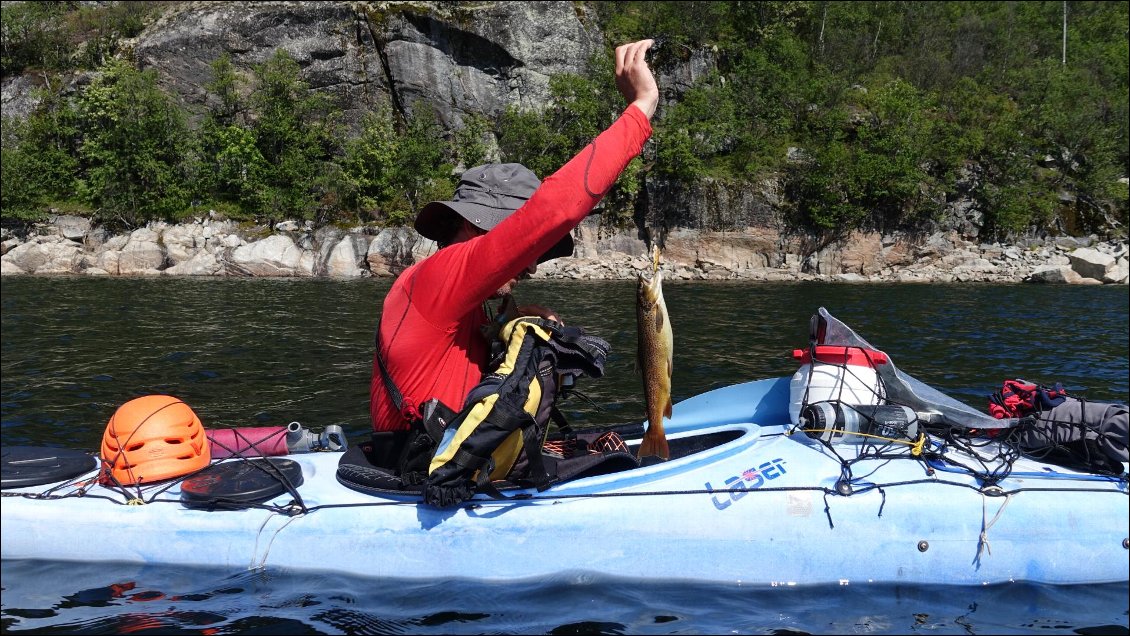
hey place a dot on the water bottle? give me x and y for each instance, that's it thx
(844, 374)
(838, 423)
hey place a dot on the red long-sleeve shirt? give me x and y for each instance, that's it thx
(429, 331)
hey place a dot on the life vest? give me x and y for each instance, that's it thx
(508, 413)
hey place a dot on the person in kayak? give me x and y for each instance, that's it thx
(500, 224)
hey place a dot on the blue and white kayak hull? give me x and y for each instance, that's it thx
(765, 507)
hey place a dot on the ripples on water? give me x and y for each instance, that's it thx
(126, 598)
(267, 352)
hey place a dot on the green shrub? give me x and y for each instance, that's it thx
(133, 147)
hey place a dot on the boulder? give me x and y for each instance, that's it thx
(202, 264)
(1053, 274)
(28, 257)
(182, 242)
(344, 261)
(141, 254)
(8, 268)
(1119, 274)
(276, 255)
(395, 248)
(108, 261)
(1091, 263)
(73, 228)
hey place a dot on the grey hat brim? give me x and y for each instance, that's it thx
(434, 216)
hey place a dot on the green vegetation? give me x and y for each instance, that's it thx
(870, 114)
(131, 147)
(58, 36)
(896, 107)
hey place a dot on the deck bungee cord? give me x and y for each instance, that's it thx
(989, 479)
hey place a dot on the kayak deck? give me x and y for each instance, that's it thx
(760, 507)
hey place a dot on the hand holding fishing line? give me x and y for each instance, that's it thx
(634, 78)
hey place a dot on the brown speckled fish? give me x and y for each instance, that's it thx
(654, 358)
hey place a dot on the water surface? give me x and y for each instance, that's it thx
(263, 352)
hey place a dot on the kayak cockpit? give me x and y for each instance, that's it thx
(593, 473)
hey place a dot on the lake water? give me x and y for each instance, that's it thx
(268, 352)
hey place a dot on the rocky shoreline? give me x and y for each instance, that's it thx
(72, 245)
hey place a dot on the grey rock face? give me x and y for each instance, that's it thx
(457, 60)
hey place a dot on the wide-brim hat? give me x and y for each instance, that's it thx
(485, 196)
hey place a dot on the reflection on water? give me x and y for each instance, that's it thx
(267, 352)
(123, 598)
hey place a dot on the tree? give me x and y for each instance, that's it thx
(132, 147)
(294, 132)
(369, 164)
(32, 36)
(228, 162)
(423, 172)
(40, 162)
(390, 173)
(471, 147)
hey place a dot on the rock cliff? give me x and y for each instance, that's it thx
(463, 58)
(459, 58)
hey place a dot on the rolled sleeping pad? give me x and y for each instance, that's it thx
(274, 440)
(266, 441)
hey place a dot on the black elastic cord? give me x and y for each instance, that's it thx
(390, 386)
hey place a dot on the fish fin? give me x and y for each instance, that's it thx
(654, 445)
(659, 320)
(667, 409)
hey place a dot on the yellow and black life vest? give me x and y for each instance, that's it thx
(509, 411)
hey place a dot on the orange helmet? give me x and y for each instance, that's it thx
(152, 438)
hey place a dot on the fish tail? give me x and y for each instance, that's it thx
(654, 443)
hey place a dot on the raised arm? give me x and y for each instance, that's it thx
(560, 204)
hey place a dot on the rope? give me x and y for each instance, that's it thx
(917, 444)
(983, 539)
(267, 551)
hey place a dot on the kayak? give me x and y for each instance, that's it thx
(747, 497)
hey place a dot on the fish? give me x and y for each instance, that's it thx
(655, 357)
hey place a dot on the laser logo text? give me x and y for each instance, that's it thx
(739, 486)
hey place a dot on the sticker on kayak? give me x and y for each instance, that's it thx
(739, 486)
